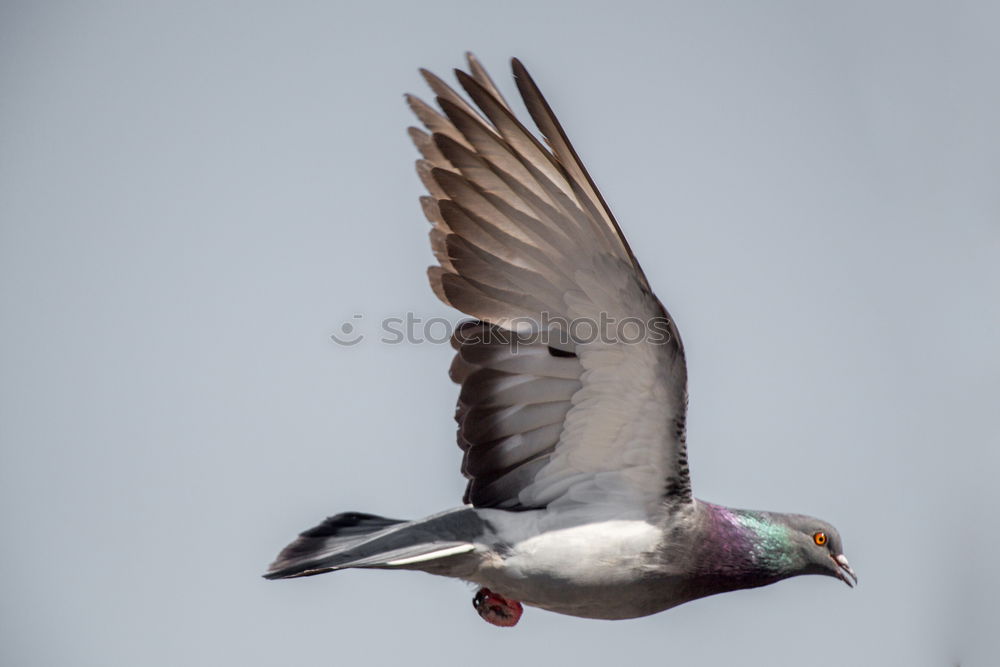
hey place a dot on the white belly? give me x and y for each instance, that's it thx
(594, 570)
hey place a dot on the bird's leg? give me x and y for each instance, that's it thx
(497, 609)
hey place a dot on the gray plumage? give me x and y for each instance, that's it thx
(574, 447)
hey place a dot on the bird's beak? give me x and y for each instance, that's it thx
(843, 570)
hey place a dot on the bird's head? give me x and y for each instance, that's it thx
(819, 548)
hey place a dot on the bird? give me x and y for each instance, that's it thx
(573, 397)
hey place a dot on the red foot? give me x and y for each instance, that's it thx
(497, 609)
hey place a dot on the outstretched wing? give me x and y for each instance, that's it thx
(574, 387)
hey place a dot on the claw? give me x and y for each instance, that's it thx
(496, 609)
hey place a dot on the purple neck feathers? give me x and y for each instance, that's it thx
(742, 549)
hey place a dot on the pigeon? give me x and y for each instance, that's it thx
(571, 413)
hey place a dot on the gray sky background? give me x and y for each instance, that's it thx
(193, 197)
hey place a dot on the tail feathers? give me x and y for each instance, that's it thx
(336, 534)
(353, 539)
(348, 525)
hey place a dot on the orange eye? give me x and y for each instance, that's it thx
(819, 538)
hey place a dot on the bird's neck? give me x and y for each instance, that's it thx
(741, 548)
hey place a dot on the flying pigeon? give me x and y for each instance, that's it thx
(571, 415)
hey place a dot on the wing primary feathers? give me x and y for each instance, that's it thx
(498, 242)
(530, 210)
(489, 145)
(545, 119)
(479, 74)
(445, 92)
(476, 203)
(427, 147)
(543, 167)
(433, 120)
(514, 133)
